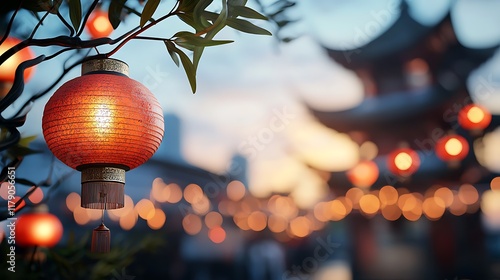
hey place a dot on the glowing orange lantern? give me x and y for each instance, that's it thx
(452, 148)
(38, 229)
(103, 124)
(364, 174)
(98, 24)
(8, 68)
(403, 162)
(474, 117)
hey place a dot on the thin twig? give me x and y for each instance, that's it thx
(135, 12)
(63, 20)
(38, 25)
(87, 15)
(54, 84)
(135, 34)
(150, 38)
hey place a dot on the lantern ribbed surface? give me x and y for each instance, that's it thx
(103, 124)
(103, 118)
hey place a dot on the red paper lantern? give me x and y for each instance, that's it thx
(8, 68)
(474, 117)
(38, 229)
(403, 162)
(98, 24)
(452, 148)
(364, 174)
(103, 124)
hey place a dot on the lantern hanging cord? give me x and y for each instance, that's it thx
(102, 198)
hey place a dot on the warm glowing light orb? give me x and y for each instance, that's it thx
(98, 24)
(474, 117)
(403, 162)
(8, 68)
(364, 174)
(38, 229)
(452, 148)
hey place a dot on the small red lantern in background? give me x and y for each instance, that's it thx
(474, 117)
(98, 24)
(403, 162)
(8, 68)
(39, 228)
(452, 148)
(364, 174)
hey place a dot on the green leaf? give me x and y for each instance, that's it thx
(198, 13)
(173, 54)
(148, 11)
(189, 20)
(188, 66)
(187, 6)
(219, 23)
(75, 13)
(186, 45)
(246, 12)
(210, 15)
(20, 151)
(192, 39)
(237, 2)
(25, 141)
(246, 26)
(115, 11)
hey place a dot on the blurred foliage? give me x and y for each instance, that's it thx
(74, 261)
(19, 150)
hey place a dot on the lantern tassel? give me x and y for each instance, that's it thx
(101, 235)
(101, 239)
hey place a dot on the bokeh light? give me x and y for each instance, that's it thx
(235, 190)
(257, 221)
(495, 184)
(369, 204)
(192, 224)
(217, 235)
(388, 195)
(72, 201)
(145, 208)
(36, 196)
(193, 193)
(213, 219)
(468, 194)
(158, 219)
(300, 226)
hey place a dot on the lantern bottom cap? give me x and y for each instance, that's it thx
(103, 187)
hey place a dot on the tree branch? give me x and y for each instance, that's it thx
(11, 21)
(63, 20)
(86, 18)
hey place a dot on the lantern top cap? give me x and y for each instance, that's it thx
(105, 65)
